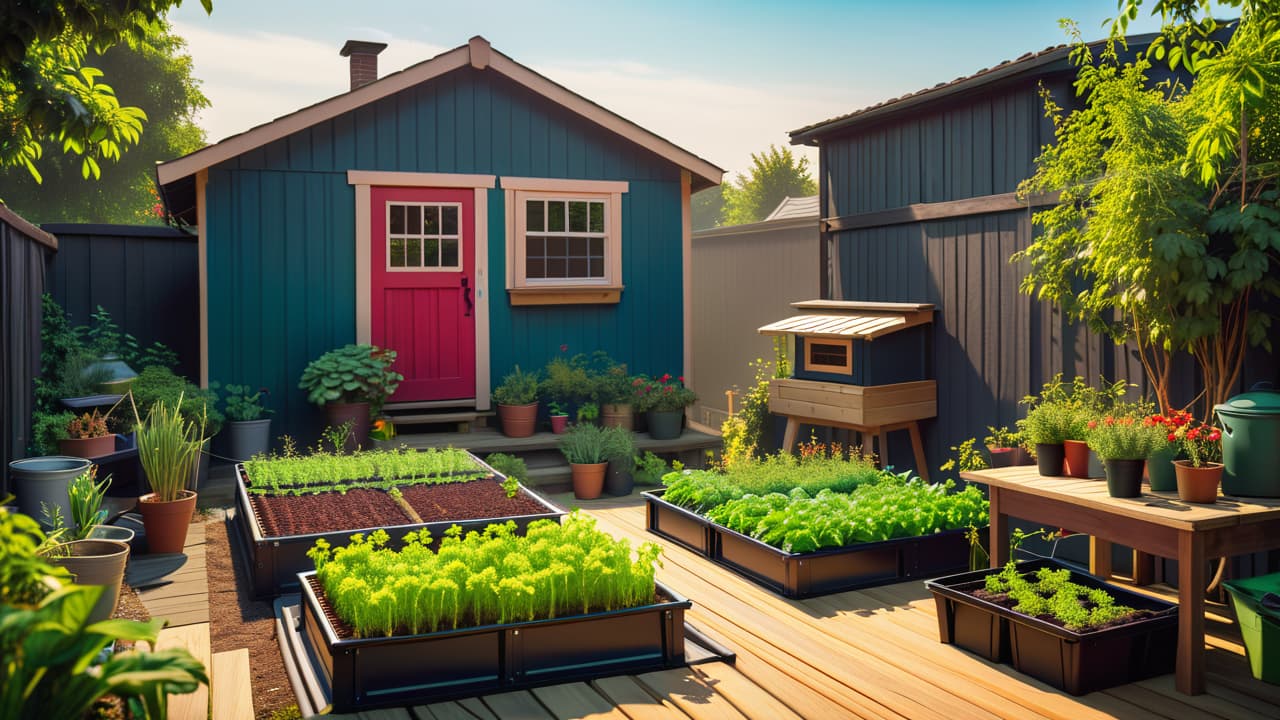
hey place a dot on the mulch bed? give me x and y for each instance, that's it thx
(469, 501)
(326, 512)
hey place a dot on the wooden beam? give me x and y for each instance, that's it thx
(19, 223)
(920, 212)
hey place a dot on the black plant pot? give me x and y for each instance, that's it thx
(1049, 459)
(1124, 477)
(618, 480)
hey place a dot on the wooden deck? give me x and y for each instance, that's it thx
(863, 654)
(182, 595)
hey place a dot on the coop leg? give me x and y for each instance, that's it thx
(917, 449)
(789, 435)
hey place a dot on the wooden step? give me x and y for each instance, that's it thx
(431, 418)
(195, 638)
(394, 407)
(232, 685)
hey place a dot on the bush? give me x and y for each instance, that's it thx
(517, 388)
(352, 374)
(509, 465)
(159, 384)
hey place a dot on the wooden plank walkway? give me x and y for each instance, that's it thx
(863, 654)
(184, 598)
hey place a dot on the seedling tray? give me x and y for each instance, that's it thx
(274, 561)
(359, 674)
(822, 572)
(1078, 663)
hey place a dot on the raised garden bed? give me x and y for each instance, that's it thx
(808, 574)
(1077, 662)
(278, 530)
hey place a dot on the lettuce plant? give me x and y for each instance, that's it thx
(700, 490)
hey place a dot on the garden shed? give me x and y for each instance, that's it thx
(466, 212)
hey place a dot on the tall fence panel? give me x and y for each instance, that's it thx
(146, 277)
(24, 254)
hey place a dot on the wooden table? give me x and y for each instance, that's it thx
(1155, 523)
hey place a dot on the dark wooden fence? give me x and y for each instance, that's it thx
(146, 277)
(24, 255)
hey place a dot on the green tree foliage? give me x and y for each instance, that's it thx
(48, 92)
(156, 75)
(1166, 232)
(708, 208)
(774, 175)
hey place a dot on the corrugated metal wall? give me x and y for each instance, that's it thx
(744, 277)
(22, 271)
(281, 233)
(146, 277)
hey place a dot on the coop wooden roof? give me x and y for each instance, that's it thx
(850, 319)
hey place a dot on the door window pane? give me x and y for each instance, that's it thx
(431, 220)
(449, 252)
(397, 219)
(431, 252)
(449, 220)
(396, 258)
(413, 252)
(413, 220)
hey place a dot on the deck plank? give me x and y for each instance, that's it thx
(232, 685)
(477, 707)
(195, 639)
(442, 711)
(750, 699)
(518, 705)
(690, 694)
(635, 701)
(577, 700)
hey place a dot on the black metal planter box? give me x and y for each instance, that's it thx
(801, 575)
(381, 672)
(1078, 663)
(274, 562)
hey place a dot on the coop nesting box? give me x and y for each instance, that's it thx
(859, 365)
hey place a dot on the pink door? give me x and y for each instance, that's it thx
(423, 253)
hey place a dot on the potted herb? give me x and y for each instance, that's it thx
(352, 383)
(1124, 444)
(615, 393)
(1049, 422)
(567, 381)
(168, 448)
(88, 436)
(1005, 447)
(622, 459)
(559, 418)
(1200, 473)
(663, 400)
(586, 447)
(248, 427)
(91, 561)
(517, 399)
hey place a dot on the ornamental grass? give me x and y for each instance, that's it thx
(168, 448)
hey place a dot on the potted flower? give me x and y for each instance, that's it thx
(248, 427)
(351, 382)
(1005, 447)
(615, 392)
(168, 448)
(88, 436)
(1160, 470)
(1046, 427)
(89, 559)
(622, 461)
(1124, 444)
(586, 447)
(1199, 474)
(517, 399)
(559, 418)
(663, 401)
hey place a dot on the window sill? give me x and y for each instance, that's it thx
(587, 295)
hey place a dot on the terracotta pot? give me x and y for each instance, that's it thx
(167, 522)
(95, 562)
(1049, 459)
(559, 423)
(588, 479)
(1124, 477)
(518, 420)
(335, 414)
(88, 447)
(1076, 458)
(1197, 484)
(617, 415)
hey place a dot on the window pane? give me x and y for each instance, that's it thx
(578, 268)
(413, 220)
(535, 247)
(597, 247)
(556, 268)
(397, 219)
(535, 216)
(397, 252)
(431, 220)
(577, 247)
(555, 217)
(596, 267)
(577, 217)
(535, 268)
(597, 217)
(449, 221)
(413, 252)
(431, 252)
(556, 247)
(449, 253)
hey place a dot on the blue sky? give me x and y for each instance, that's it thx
(721, 79)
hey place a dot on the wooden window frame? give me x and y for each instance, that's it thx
(810, 365)
(421, 237)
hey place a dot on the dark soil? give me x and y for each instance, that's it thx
(1003, 600)
(284, 515)
(471, 500)
(239, 621)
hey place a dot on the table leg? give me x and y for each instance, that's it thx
(1191, 581)
(1144, 568)
(917, 448)
(882, 445)
(999, 542)
(866, 445)
(789, 435)
(1100, 557)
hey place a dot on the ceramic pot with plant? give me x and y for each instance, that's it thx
(559, 418)
(1045, 427)
(168, 447)
(517, 399)
(248, 427)
(1161, 475)
(351, 383)
(619, 480)
(1200, 473)
(586, 448)
(1004, 446)
(1124, 444)
(88, 436)
(90, 560)
(663, 400)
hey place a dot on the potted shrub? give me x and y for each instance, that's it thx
(1045, 427)
(47, 429)
(1200, 473)
(168, 448)
(517, 399)
(586, 447)
(1124, 444)
(622, 459)
(615, 393)
(196, 405)
(87, 436)
(248, 427)
(1005, 447)
(663, 401)
(44, 481)
(568, 382)
(89, 560)
(559, 418)
(351, 383)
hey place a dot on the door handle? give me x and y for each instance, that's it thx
(466, 295)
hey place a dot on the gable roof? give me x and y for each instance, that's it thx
(478, 54)
(795, 207)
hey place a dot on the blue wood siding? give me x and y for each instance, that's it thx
(281, 233)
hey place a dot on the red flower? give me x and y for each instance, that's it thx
(1093, 424)
(681, 378)
(666, 377)
(1215, 436)
(564, 348)
(1173, 436)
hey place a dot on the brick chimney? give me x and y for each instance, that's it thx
(364, 61)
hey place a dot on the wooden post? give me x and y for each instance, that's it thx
(999, 551)
(728, 396)
(1100, 557)
(1191, 580)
